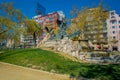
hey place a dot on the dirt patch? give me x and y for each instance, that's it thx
(13, 72)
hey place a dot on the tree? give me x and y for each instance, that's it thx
(10, 20)
(88, 19)
(69, 31)
(33, 28)
(74, 12)
(73, 27)
(99, 19)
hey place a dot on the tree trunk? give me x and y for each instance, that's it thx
(34, 38)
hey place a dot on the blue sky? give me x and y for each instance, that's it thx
(28, 6)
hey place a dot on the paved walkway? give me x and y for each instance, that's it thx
(13, 72)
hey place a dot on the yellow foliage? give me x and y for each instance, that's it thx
(94, 17)
(31, 26)
(56, 30)
(68, 31)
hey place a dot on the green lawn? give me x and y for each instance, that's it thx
(53, 62)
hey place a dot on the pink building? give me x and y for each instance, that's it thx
(113, 29)
(49, 21)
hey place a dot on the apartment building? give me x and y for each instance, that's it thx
(113, 30)
(54, 20)
(48, 22)
(95, 30)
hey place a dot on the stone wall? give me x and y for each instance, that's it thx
(67, 46)
(74, 48)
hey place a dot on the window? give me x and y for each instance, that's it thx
(101, 35)
(112, 13)
(114, 37)
(104, 35)
(113, 27)
(113, 32)
(113, 22)
(113, 17)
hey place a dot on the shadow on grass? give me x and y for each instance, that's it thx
(99, 72)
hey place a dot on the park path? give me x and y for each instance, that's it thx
(13, 72)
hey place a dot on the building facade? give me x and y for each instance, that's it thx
(113, 30)
(94, 27)
(52, 21)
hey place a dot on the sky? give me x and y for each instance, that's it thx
(28, 7)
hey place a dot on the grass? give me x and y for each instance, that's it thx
(116, 52)
(53, 62)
